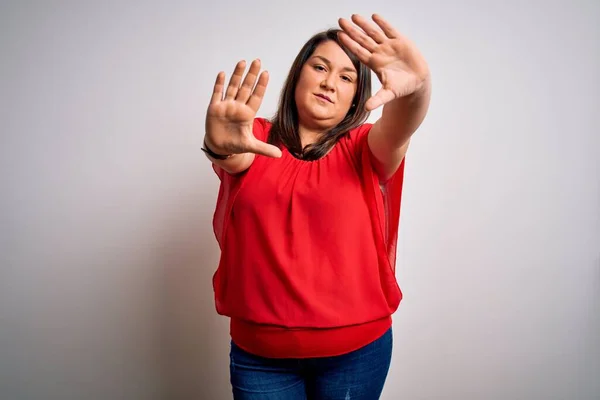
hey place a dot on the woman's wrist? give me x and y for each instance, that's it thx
(206, 149)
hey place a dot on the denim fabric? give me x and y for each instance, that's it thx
(358, 375)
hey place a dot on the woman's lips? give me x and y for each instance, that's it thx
(324, 97)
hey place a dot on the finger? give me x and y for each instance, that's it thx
(374, 33)
(218, 89)
(249, 81)
(357, 35)
(363, 54)
(382, 97)
(256, 98)
(234, 82)
(265, 149)
(387, 28)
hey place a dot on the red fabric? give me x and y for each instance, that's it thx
(308, 251)
(276, 342)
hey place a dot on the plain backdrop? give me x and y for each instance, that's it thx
(107, 251)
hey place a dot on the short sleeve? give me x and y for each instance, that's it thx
(231, 184)
(384, 198)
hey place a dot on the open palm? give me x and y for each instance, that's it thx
(395, 60)
(229, 118)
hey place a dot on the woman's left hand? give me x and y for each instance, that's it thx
(396, 61)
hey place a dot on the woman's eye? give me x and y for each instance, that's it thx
(319, 68)
(347, 78)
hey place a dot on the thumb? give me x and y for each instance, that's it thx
(380, 98)
(265, 149)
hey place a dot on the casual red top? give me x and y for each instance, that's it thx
(307, 250)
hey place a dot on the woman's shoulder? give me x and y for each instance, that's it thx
(356, 135)
(261, 128)
(262, 121)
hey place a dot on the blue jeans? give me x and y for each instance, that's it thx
(358, 375)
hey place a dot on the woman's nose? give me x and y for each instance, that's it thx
(327, 83)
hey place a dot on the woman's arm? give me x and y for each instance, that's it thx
(405, 87)
(234, 164)
(390, 135)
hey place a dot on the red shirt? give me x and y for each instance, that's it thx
(308, 251)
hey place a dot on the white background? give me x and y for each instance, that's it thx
(107, 251)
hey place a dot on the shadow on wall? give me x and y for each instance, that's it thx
(194, 339)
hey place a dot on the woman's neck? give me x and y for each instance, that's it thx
(309, 135)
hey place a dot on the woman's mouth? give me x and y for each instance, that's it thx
(322, 96)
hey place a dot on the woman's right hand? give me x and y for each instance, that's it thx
(229, 119)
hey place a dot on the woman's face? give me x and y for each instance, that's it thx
(326, 87)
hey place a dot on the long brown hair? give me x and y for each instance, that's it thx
(285, 122)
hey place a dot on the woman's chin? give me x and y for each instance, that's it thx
(318, 113)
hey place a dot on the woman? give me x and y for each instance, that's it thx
(307, 213)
